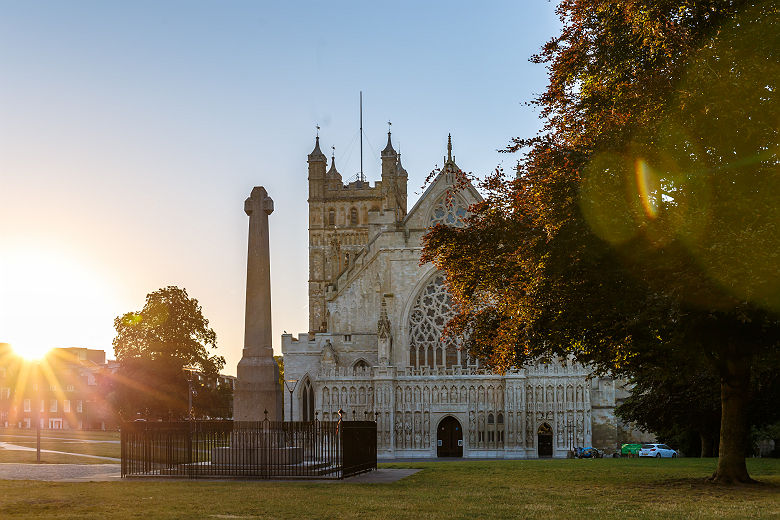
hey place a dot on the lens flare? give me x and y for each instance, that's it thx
(648, 187)
(610, 213)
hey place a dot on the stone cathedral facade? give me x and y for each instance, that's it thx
(374, 347)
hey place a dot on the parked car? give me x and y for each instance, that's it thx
(657, 450)
(591, 453)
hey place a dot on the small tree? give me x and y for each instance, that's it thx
(153, 346)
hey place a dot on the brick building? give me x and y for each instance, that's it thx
(66, 389)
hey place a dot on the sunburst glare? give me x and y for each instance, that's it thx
(52, 300)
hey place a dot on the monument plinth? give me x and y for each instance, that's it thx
(257, 387)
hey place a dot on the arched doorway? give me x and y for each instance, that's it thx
(449, 438)
(545, 437)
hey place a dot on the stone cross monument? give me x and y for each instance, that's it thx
(257, 388)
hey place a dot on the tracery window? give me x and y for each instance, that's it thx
(307, 401)
(353, 217)
(331, 217)
(449, 211)
(430, 314)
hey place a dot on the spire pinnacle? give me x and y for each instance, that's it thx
(333, 172)
(398, 166)
(449, 147)
(316, 154)
(389, 148)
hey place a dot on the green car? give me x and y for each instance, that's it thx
(630, 450)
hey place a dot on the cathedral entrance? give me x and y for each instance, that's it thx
(545, 437)
(449, 438)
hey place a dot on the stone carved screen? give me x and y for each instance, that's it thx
(430, 313)
(449, 211)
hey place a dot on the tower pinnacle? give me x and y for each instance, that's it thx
(333, 171)
(449, 147)
(389, 148)
(316, 154)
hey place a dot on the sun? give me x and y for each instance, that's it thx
(52, 298)
(30, 351)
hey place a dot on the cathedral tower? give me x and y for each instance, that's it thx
(338, 222)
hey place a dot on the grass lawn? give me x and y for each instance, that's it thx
(605, 488)
(6, 434)
(103, 444)
(100, 449)
(28, 457)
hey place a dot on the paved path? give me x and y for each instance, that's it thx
(380, 476)
(68, 439)
(112, 473)
(16, 447)
(61, 472)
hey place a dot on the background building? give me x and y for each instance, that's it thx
(66, 389)
(73, 388)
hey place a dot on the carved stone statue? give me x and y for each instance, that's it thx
(384, 335)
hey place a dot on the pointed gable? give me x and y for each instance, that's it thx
(422, 216)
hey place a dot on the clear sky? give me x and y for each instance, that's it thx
(132, 132)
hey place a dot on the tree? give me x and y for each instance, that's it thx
(280, 363)
(211, 399)
(682, 400)
(642, 223)
(681, 407)
(154, 346)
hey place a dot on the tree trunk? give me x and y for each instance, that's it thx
(734, 396)
(706, 445)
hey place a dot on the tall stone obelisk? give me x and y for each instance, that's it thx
(257, 388)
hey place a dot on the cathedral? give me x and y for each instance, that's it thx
(375, 350)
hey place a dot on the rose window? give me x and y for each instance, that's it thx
(449, 212)
(430, 313)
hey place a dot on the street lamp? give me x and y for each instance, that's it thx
(291, 389)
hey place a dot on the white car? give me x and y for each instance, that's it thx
(657, 450)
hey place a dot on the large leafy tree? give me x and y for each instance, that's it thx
(641, 226)
(154, 346)
(681, 400)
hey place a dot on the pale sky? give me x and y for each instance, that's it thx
(132, 132)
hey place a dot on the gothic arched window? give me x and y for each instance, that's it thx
(353, 217)
(307, 401)
(331, 217)
(450, 211)
(430, 313)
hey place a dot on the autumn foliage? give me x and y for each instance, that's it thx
(640, 230)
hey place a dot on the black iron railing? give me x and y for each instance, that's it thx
(266, 449)
(358, 445)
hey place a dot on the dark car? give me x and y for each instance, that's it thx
(591, 453)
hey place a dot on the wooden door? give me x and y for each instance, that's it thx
(449, 438)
